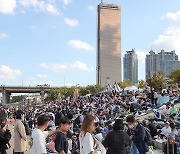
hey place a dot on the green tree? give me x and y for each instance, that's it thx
(69, 91)
(17, 99)
(124, 84)
(175, 76)
(83, 91)
(90, 89)
(142, 84)
(157, 80)
(53, 94)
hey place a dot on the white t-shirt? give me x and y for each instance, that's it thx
(38, 141)
(166, 131)
(86, 143)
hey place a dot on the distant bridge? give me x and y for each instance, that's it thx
(7, 90)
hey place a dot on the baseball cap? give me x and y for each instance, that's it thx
(104, 130)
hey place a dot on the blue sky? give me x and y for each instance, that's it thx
(54, 41)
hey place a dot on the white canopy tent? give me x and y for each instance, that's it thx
(131, 88)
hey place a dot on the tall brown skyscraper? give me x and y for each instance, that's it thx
(109, 44)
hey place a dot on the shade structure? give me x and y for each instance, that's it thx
(131, 88)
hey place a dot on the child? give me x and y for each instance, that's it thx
(51, 145)
(61, 142)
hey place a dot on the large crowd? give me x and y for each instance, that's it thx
(105, 123)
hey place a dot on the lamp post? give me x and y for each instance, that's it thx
(76, 91)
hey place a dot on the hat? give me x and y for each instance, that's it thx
(118, 122)
(104, 130)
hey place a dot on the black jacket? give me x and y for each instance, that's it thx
(153, 130)
(4, 140)
(116, 142)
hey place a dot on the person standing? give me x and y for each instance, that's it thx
(58, 116)
(138, 135)
(38, 137)
(5, 135)
(19, 134)
(87, 145)
(155, 97)
(61, 142)
(117, 141)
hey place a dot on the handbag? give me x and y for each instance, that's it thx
(99, 148)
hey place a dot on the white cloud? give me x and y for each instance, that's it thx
(91, 8)
(170, 39)
(8, 73)
(174, 16)
(78, 65)
(27, 3)
(81, 66)
(66, 2)
(42, 76)
(71, 22)
(51, 9)
(7, 6)
(81, 45)
(3, 36)
(39, 5)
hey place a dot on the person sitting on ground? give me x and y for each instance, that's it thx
(174, 132)
(173, 110)
(166, 130)
(152, 128)
(101, 136)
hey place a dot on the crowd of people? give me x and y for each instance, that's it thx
(105, 123)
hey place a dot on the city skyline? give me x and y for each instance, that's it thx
(54, 42)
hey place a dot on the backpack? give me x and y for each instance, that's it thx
(148, 138)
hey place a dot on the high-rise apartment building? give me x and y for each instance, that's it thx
(130, 66)
(162, 61)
